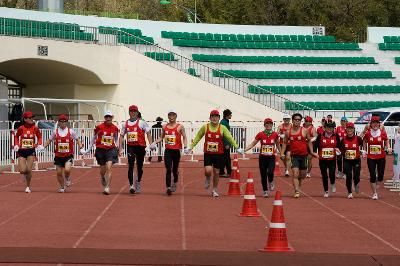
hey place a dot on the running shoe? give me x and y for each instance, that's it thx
(333, 188)
(132, 189)
(357, 188)
(215, 193)
(375, 196)
(339, 174)
(61, 190)
(265, 194)
(169, 191)
(28, 190)
(326, 194)
(308, 175)
(296, 195)
(138, 187)
(68, 181)
(350, 196)
(103, 181)
(106, 191)
(271, 186)
(173, 187)
(287, 173)
(207, 183)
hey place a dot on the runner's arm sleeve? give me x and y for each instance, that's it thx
(337, 141)
(39, 136)
(123, 130)
(316, 143)
(53, 135)
(16, 137)
(198, 137)
(144, 126)
(74, 135)
(228, 136)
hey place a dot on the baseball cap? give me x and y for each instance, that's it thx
(172, 111)
(350, 124)
(214, 112)
(133, 108)
(63, 117)
(375, 118)
(308, 119)
(344, 119)
(268, 120)
(286, 116)
(108, 113)
(27, 115)
(330, 124)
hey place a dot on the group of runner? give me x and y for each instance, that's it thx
(296, 143)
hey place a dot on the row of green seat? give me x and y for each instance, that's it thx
(389, 46)
(282, 59)
(303, 74)
(324, 89)
(114, 30)
(397, 60)
(389, 39)
(47, 33)
(266, 45)
(362, 105)
(33, 24)
(134, 40)
(246, 37)
(127, 39)
(160, 56)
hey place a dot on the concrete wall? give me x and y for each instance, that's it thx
(375, 34)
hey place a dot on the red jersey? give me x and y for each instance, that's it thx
(310, 130)
(135, 135)
(376, 146)
(63, 146)
(298, 143)
(320, 130)
(267, 143)
(283, 130)
(351, 147)
(106, 135)
(28, 137)
(341, 131)
(213, 143)
(327, 147)
(173, 138)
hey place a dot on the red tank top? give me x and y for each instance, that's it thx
(106, 136)
(351, 148)
(213, 141)
(26, 137)
(267, 143)
(320, 130)
(376, 146)
(173, 138)
(63, 146)
(327, 147)
(135, 135)
(341, 131)
(298, 143)
(310, 131)
(283, 130)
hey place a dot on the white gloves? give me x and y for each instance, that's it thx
(282, 136)
(313, 139)
(240, 150)
(83, 151)
(338, 153)
(187, 150)
(363, 153)
(39, 148)
(153, 146)
(16, 148)
(389, 150)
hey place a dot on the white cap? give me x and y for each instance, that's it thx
(108, 113)
(286, 116)
(171, 111)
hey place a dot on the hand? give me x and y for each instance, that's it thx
(153, 146)
(363, 154)
(16, 148)
(120, 151)
(187, 150)
(313, 139)
(282, 136)
(283, 157)
(82, 151)
(240, 150)
(39, 148)
(227, 147)
(338, 153)
(315, 155)
(389, 150)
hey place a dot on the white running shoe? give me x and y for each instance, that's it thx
(103, 180)
(265, 194)
(308, 175)
(333, 188)
(68, 181)
(375, 196)
(207, 183)
(215, 193)
(350, 196)
(61, 190)
(173, 187)
(28, 190)
(287, 173)
(132, 189)
(272, 186)
(357, 188)
(339, 174)
(326, 194)
(138, 187)
(106, 191)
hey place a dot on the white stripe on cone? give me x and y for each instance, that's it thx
(278, 203)
(249, 197)
(234, 180)
(277, 225)
(250, 180)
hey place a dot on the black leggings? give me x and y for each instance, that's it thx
(376, 165)
(171, 161)
(226, 163)
(339, 159)
(352, 169)
(327, 167)
(135, 152)
(267, 167)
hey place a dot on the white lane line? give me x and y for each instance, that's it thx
(350, 221)
(94, 223)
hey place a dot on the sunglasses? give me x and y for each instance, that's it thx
(108, 116)
(28, 117)
(62, 121)
(296, 119)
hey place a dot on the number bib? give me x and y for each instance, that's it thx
(170, 139)
(212, 146)
(27, 143)
(267, 150)
(63, 147)
(375, 149)
(328, 153)
(350, 154)
(132, 136)
(107, 140)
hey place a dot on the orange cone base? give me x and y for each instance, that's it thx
(288, 249)
(242, 214)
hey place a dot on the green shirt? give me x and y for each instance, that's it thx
(225, 122)
(224, 132)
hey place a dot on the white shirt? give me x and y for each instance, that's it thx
(142, 124)
(63, 133)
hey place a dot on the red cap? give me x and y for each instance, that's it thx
(268, 120)
(308, 119)
(350, 124)
(27, 115)
(133, 108)
(63, 117)
(214, 112)
(375, 118)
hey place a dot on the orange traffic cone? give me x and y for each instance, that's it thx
(249, 208)
(234, 186)
(277, 238)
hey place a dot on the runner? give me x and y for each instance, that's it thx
(27, 142)
(214, 134)
(105, 138)
(282, 129)
(135, 129)
(227, 148)
(321, 128)
(63, 138)
(173, 134)
(350, 147)
(327, 145)
(299, 141)
(313, 134)
(269, 140)
(341, 132)
(376, 142)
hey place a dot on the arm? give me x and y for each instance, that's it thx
(121, 137)
(310, 144)
(228, 136)
(316, 143)
(160, 138)
(183, 133)
(38, 136)
(47, 143)
(198, 137)
(16, 137)
(251, 145)
(74, 136)
(284, 144)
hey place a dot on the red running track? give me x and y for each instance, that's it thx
(189, 221)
